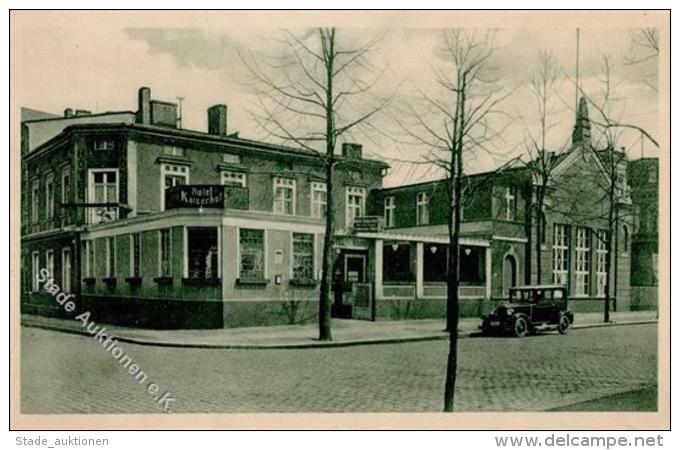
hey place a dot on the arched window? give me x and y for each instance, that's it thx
(624, 240)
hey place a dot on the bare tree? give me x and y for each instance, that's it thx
(644, 55)
(452, 124)
(312, 94)
(543, 85)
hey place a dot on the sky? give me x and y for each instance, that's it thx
(98, 62)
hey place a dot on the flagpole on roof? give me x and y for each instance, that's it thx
(578, 38)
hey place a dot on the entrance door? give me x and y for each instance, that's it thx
(355, 268)
(509, 274)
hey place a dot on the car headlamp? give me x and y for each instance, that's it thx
(509, 311)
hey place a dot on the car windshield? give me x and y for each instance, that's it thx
(535, 295)
(529, 295)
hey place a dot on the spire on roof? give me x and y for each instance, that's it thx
(581, 133)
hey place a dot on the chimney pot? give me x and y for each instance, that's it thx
(68, 112)
(144, 105)
(217, 120)
(351, 150)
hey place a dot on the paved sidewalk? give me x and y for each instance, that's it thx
(345, 332)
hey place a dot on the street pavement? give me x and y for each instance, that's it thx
(66, 373)
(345, 331)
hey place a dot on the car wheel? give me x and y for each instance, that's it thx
(521, 326)
(564, 325)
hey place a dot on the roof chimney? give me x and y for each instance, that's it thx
(351, 150)
(68, 112)
(144, 105)
(217, 120)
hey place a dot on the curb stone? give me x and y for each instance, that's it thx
(308, 344)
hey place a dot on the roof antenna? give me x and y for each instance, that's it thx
(179, 118)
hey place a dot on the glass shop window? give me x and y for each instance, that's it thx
(203, 252)
(435, 262)
(251, 246)
(397, 262)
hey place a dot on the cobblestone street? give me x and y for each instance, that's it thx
(63, 373)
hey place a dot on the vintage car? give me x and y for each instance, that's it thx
(529, 309)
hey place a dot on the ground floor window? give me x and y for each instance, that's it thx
(472, 265)
(110, 257)
(601, 261)
(582, 270)
(164, 261)
(303, 256)
(66, 270)
(435, 262)
(35, 267)
(251, 248)
(135, 255)
(397, 262)
(203, 253)
(88, 258)
(560, 259)
(49, 263)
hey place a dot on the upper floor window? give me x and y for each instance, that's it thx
(103, 144)
(388, 211)
(172, 175)
(422, 209)
(65, 186)
(103, 188)
(284, 196)
(355, 199)
(233, 178)
(582, 270)
(318, 199)
(172, 150)
(231, 158)
(35, 205)
(624, 239)
(652, 174)
(49, 196)
(510, 202)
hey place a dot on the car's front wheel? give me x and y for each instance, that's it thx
(563, 326)
(521, 326)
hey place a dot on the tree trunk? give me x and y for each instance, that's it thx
(452, 300)
(327, 263)
(611, 230)
(539, 233)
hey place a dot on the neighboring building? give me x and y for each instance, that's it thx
(154, 226)
(497, 229)
(644, 184)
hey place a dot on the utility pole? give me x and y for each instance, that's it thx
(179, 118)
